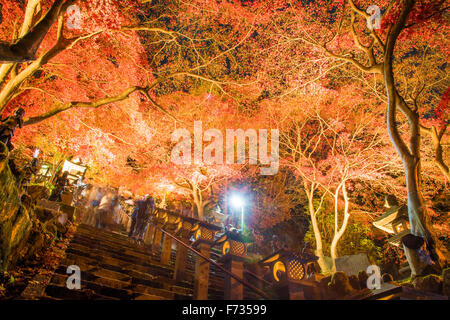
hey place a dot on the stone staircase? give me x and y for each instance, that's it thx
(113, 267)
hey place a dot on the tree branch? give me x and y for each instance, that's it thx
(26, 47)
(436, 137)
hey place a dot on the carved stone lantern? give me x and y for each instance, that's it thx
(288, 271)
(394, 221)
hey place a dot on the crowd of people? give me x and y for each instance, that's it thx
(109, 210)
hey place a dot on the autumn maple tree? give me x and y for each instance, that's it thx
(362, 112)
(102, 71)
(376, 56)
(402, 64)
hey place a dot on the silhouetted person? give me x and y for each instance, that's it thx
(31, 169)
(60, 185)
(142, 213)
(9, 125)
(133, 221)
(105, 211)
(7, 128)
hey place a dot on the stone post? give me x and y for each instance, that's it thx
(204, 236)
(170, 226)
(166, 250)
(201, 281)
(148, 239)
(234, 251)
(234, 290)
(184, 233)
(161, 217)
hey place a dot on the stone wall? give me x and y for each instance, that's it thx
(25, 229)
(15, 221)
(353, 264)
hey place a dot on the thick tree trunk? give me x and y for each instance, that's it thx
(410, 156)
(416, 215)
(319, 247)
(198, 203)
(27, 46)
(200, 211)
(419, 222)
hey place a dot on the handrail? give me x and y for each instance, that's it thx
(257, 277)
(249, 272)
(245, 283)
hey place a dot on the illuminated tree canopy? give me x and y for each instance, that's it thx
(361, 112)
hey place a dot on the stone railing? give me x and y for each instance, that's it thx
(200, 237)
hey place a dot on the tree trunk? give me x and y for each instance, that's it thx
(419, 222)
(338, 233)
(436, 137)
(410, 156)
(27, 46)
(198, 203)
(324, 267)
(200, 211)
(416, 216)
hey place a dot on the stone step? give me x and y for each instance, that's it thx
(115, 267)
(119, 254)
(116, 288)
(142, 274)
(131, 278)
(62, 293)
(115, 264)
(141, 259)
(99, 269)
(54, 291)
(125, 273)
(190, 260)
(84, 250)
(118, 244)
(84, 229)
(122, 241)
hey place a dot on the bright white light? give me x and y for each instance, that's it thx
(237, 201)
(36, 153)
